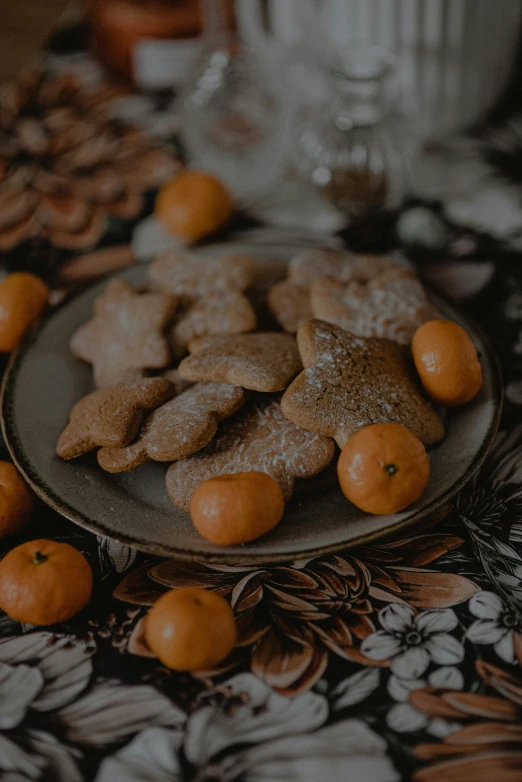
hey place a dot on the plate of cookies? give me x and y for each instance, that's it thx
(226, 405)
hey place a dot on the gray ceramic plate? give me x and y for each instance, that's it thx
(43, 381)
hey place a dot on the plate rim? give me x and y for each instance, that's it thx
(48, 495)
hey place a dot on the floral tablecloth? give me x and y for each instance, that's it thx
(400, 660)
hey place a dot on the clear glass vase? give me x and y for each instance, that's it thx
(235, 109)
(358, 149)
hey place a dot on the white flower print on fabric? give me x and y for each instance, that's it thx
(496, 624)
(153, 756)
(61, 664)
(447, 677)
(283, 739)
(41, 672)
(412, 641)
(347, 751)
(259, 714)
(355, 688)
(114, 556)
(403, 717)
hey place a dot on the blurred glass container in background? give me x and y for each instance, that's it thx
(455, 56)
(358, 149)
(236, 111)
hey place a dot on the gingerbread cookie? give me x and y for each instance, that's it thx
(126, 333)
(190, 275)
(111, 417)
(217, 313)
(258, 438)
(309, 265)
(350, 382)
(180, 427)
(262, 362)
(289, 301)
(393, 305)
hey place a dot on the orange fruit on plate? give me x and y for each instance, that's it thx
(193, 205)
(16, 500)
(191, 629)
(43, 582)
(23, 296)
(447, 362)
(383, 468)
(232, 509)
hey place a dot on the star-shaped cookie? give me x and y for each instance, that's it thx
(258, 438)
(289, 301)
(309, 265)
(180, 427)
(189, 275)
(227, 312)
(126, 333)
(112, 416)
(393, 305)
(262, 362)
(350, 382)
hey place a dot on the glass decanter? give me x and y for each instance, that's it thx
(235, 112)
(358, 150)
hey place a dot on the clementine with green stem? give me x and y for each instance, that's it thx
(43, 582)
(383, 468)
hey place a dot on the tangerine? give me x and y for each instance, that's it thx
(43, 582)
(447, 362)
(16, 500)
(191, 629)
(23, 296)
(232, 509)
(193, 205)
(383, 468)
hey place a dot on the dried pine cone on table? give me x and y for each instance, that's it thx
(66, 165)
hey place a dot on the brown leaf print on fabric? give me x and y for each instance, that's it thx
(488, 746)
(291, 618)
(65, 165)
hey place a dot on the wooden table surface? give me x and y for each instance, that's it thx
(24, 26)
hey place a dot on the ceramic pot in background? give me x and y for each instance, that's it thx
(149, 41)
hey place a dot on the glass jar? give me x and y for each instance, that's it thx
(358, 149)
(235, 112)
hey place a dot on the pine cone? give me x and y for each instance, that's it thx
(65, 165)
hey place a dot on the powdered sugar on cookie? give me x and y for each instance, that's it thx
(190, 275)
(261, 362)
(126, 333)
(258, 438)
(178, 428)
(351, 382)
(289, 301)
(228, 312)
(111, 416)
(393, 305)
